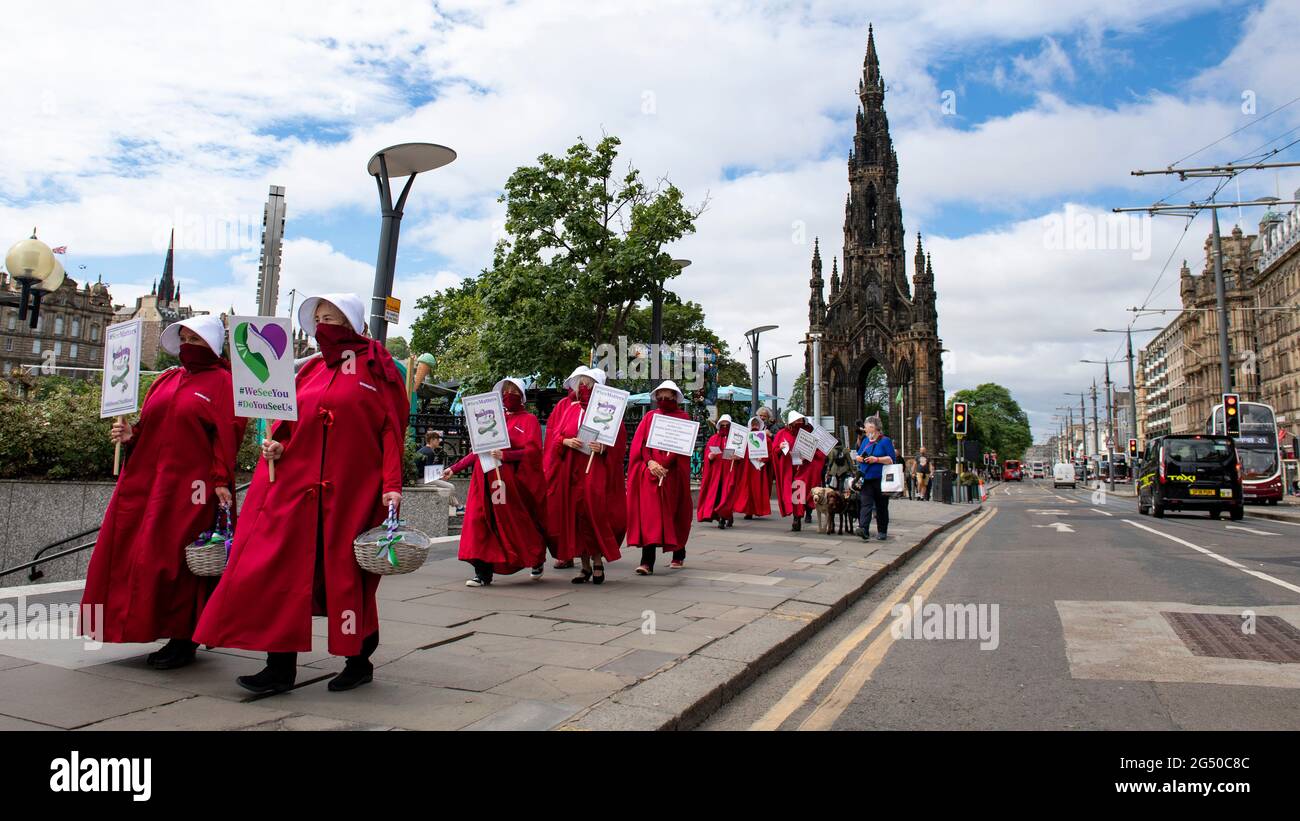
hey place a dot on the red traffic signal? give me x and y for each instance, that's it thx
(1132, 448)
(1231, 413)
(960, 422)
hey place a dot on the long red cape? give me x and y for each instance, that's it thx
(807, 476)
(182, 448)
(585, 509)
(720, 481)
(341, 455)
(657, 514)
(754, 496)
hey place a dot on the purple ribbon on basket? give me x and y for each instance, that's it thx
(389, 542)
(221, 534)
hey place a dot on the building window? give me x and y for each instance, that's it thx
(94, 333)
(76, 327)
(9, 343)
(36, 346)
(58, 325)
(58, 348)
(72, 350)
(13, 320)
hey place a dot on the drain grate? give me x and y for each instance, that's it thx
(1220, 635)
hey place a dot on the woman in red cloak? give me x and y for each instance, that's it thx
(659, 513)
(795, 480)
(721, 479)
(754, 497)
(585, 506)
(338, 469)
(180, 465)
(554, 443)
(503, 530)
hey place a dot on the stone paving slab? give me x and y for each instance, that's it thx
(520, 654)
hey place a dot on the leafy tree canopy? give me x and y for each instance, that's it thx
(996, 420)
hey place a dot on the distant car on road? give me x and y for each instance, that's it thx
(1011, 471)
(1190, 472)
(1063, 474)
(1040, 470)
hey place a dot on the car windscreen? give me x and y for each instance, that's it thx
(1203, 451)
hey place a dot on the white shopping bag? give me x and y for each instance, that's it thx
(891, 481)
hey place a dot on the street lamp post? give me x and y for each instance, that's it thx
(32, 265)
(1132, 385)
(657, 314)
(752, 337)
(771, 366)
(403, 160)
(1110, 415)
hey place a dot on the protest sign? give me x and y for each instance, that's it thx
(673, 435)
(603, 417)
(261, 370)
(119, 393)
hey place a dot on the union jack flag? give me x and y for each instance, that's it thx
(62, 249)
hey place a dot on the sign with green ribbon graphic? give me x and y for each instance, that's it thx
(262, 368)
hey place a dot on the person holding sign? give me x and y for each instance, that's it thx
(554, 444)
(798, 467)
(754, 494)
(504, 517)
(875, 451)
(659, 484)
(340, 468)
(180, 465)
(586, 497)
(721, 479)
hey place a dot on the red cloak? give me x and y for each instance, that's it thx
(509, 535)
(341, 455)
(754, 497)
(181, 450)
(720, 481)
(585, 510)
(808, 475)
(657, 514)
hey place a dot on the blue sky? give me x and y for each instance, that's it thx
(164, 119)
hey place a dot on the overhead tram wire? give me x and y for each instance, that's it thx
(1254, 122)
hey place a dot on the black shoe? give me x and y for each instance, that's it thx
(269, 681)
(355, 673)
(582, 578)
(722, 524)
(176, 654)
(598, 577)
(731, 522)
(798, 524)
(863, 535)
(881, 536)
(748, 516)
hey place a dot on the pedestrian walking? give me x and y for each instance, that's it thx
(721, 479)
(873, 454)
(754, 497)
(338, 471)
(554, 443)
(179, 468)
(658, 488)
(923, 470)
(504, 524)
(795, 477)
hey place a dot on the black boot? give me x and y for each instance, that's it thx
(358, 670)
(175, 654)
(798, 524)
(278, 676)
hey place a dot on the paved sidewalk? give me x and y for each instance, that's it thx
(659, 652)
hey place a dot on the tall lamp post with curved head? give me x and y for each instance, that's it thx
(36, 271)
(752, 336)
(396, 161)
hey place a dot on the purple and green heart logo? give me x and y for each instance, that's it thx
(253, 344)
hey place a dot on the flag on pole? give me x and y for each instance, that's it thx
(899, 398)
(62, 249)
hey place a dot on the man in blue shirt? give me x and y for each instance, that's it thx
(873, 453)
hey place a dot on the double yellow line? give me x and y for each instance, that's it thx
(830, 708)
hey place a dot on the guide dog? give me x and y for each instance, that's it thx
(828, 503)
(851, 509)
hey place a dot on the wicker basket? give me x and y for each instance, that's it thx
(391, 548)
(208, 554)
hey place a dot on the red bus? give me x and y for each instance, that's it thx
(1257, 448)
(1011, 471)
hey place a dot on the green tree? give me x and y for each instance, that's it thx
(450, 327)
(684, 324)
(397, 347)
(799, 393)
(585, 245)
(996, 421)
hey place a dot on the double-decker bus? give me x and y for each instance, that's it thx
(1261, 461)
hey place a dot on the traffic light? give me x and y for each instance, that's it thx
(960, 422)
(1231, 413)
(1132, 449)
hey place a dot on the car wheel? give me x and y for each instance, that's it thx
(1237, 514)
(1272, 501)
(1143, 509)
(1158, 510)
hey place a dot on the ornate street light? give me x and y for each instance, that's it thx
(37, 272)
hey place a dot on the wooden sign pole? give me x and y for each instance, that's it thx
(117, 451)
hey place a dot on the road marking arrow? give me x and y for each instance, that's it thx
(1049, 512)
(1250, 530)
(1060, 527)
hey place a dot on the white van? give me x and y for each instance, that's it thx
(1063, 474)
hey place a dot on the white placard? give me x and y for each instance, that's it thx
(485, 420)
(488, 462)
(604, 415)
(805, 445)
(120, 389)
(261, 367)
(672, 434)
(825, 440)
(756, 442)
(736, 439)
(432, 473)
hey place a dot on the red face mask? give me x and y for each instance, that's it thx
(724, 428)
(335, 339)
(668, 405)
(512, 401)
(196, 357)
(584, 394)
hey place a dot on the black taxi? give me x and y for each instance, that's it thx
(1190, 472)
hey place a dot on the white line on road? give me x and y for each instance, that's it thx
(1229, 562)
(1250, 530)
(1061, 527)
(1102, 512)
